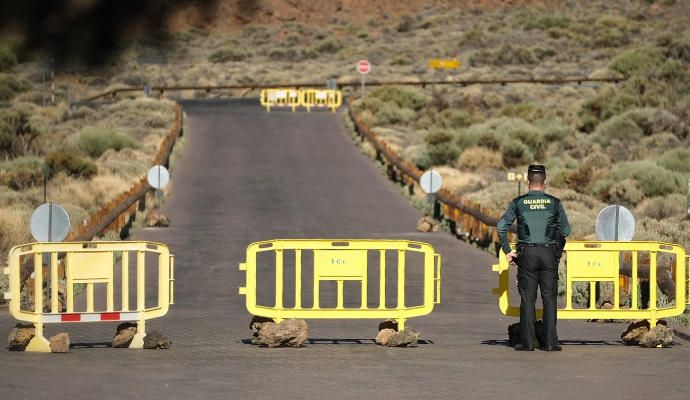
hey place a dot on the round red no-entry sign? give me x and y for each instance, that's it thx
(363, 66)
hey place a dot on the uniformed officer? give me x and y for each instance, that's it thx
(541, 225)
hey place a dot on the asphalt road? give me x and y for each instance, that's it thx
(248, 175)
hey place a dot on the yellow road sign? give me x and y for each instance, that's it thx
(444, 63)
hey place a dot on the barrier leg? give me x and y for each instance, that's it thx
(401, 324)
(138, 339)
(38, 344)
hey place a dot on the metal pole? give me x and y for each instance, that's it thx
(362, 84)
(158, 191)
(688, 198)
(50, 222)
(615, 233)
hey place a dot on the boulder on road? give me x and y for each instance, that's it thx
(288, 333)
(156, 219)
(427, 224)
(20, 337)
(125, 334)
(384, 336)
(59, 343)
(403, 338)
(635, 332)
(659, 336)
(155, 340)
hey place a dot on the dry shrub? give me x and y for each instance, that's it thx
(462, 182)
(68, 162)
(14, 229)
(668, 230)
(663, 207)
(479, 158)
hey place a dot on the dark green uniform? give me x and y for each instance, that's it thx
(541, 223)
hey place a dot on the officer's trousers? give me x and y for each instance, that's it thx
(537, 266)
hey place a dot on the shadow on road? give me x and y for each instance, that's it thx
(344, 341)
(505, 342)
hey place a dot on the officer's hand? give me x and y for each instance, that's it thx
(511, 257)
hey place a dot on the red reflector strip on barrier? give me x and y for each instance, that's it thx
(90, 317)
(115, 316)
(70, 318)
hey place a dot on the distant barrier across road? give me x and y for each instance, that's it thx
(271, 98)
(94, 265)
(308, 98)
(650, 265)
(340, 262)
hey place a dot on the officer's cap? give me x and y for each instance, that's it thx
(536, 169)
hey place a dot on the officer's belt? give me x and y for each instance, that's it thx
(536, 245)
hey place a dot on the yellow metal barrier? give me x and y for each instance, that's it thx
(340, 261)
(280, 98)
(321, 98)
(593, 262)
(87, 264)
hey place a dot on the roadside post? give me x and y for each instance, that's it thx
(431, 182)
(363, 67)
(158, 177)
(517, 177)
(441, 65)
(616, 223)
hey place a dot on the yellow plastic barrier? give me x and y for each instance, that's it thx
(322, 98)
(594, 262)
(340, 261)
(89, 264)
(280, 98)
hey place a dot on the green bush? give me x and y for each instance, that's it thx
(228, 53)
(22, 172)
(434, 155)
(637, 60)
(20, 126)
(284, 54)
(95, 141)
(494, 132)
(608, 103)
(437, 138)
(7, 57)
(547, 22)
(11, 85)
(403, 97)
(650, 178)
(515, 153)
(389, 114)
(329, 47)
(676, 48)
(68, 162)
(677, 160)
(507, 55)
(630, 126)
(474, 37)
(454, 119)
(618, 128)
(612, 31)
